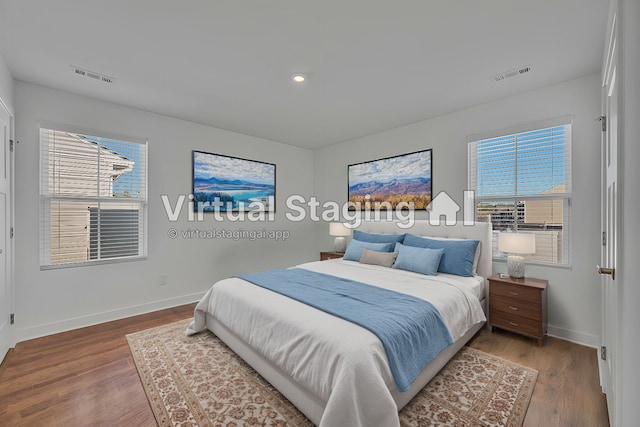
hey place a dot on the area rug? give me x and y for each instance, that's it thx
(199, 381)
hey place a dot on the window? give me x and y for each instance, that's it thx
(93, 199)
(522, 182)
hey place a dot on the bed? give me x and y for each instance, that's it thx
(336, 372)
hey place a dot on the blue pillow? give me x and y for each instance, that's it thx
(418, 260)
(458, 255)
(354, 251)
(377, 238)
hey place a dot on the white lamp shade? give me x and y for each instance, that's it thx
(517, 243)
(339, 229)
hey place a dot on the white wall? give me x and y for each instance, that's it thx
(574, 294)
(50, 301)
(630, 227)
(6, 84)
(55, 300)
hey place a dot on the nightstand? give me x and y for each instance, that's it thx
(330, 255)
(518, 305)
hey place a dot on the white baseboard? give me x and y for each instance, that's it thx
(105, 316)
(574, 336)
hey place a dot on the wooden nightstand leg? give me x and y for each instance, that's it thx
(540, 342)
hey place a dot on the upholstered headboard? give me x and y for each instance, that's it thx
(479, 231)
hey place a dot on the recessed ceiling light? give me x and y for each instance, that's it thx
(298, 78)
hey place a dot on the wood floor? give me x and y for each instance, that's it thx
(567, 391)
(87, 377)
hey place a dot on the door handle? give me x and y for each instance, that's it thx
(610, 271)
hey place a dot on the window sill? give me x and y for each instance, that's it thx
(536, 263)
(91, 263)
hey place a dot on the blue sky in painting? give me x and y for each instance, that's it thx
(229, 168)
(410, 166)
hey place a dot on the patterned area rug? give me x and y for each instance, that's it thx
(199, 381)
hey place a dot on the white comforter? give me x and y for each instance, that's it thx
(340, 362)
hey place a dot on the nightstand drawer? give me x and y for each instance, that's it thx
(511, 305)
(514, 291)
(518, 305)
(515, 323)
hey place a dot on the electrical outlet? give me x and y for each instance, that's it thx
(164, 279)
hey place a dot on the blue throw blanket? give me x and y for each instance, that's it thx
(410, 329)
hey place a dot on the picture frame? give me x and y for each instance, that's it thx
(232, 184)
(386, 183)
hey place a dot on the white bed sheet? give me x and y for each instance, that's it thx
(476, 283)
(337, 361)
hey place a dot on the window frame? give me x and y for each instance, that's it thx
(46, 199)
(566, 197)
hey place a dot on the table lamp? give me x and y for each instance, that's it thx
(516, 245)
(339, 230)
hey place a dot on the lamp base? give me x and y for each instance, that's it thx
(340, 244)
(515, 266)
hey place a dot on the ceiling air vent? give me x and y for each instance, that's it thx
(512, 73)
(92, 75)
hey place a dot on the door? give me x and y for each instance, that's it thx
(609, 199)
(6, 275)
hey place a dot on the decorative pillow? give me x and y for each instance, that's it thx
(418, 260)
(377, 238)
(354, 250)
(458, 257)
(476, 257)
(385, 259)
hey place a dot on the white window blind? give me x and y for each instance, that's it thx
(522, 182)
(93, 199)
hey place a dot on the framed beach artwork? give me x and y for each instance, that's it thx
(385, 183)
(231, 184)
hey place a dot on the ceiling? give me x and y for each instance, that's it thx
(372, 65)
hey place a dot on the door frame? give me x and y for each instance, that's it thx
(10, 248)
